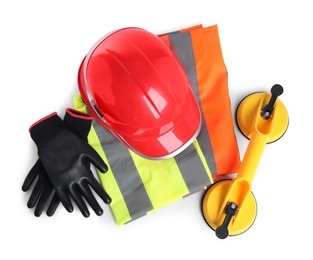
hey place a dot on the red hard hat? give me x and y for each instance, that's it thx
(136, 88)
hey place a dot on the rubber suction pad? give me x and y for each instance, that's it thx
(212, 203)
(249, 107)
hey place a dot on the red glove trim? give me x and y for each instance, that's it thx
(42, 119)
(78, 114)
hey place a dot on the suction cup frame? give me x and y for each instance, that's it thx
(229, 207)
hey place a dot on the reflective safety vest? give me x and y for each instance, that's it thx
(139, 186)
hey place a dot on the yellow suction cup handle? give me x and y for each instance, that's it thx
(229, 207)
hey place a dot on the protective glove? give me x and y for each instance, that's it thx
(64, 160)
(41, 191)
(79, 123)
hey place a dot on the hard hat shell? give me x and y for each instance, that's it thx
(136, 88)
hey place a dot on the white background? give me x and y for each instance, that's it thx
(264, 42)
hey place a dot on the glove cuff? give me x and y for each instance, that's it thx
(78, 122)
(78, 114)
(46, 128)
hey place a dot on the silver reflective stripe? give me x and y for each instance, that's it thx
(125, 173)
(167, 34)
(192, 169)
(181, 45)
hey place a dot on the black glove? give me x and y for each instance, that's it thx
(79, 123)
(42, 190)
(65, 158)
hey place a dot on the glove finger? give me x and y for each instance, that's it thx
(87, 193)
(53, 205)
(100, 191)
(43, 199)
(40, 185)
(79, 201)
(65, 199)
(32, 175)
(96, 160)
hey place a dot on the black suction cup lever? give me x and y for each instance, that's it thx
(222, 231)
(267, 111)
